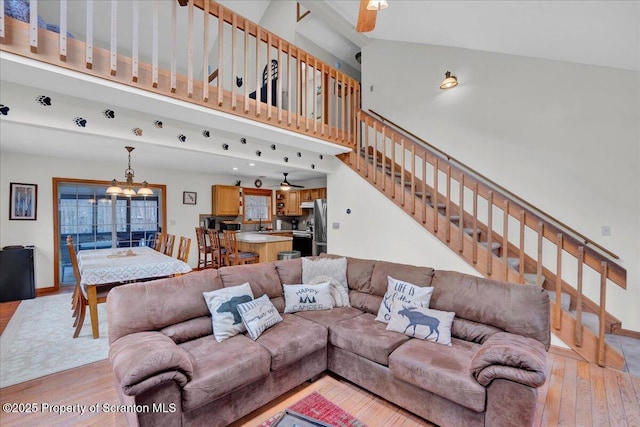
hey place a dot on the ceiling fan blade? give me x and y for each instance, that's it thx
(296, 185)
(366, 18)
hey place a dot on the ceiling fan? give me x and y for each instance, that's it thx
(367, 14)
(286, 185)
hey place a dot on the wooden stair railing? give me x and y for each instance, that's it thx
(313, 98)
(500, 236)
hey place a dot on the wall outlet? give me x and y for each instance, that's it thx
(336, 226)
(605, 230)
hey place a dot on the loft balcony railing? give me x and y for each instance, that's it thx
(193, 50)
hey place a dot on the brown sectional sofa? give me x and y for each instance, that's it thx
(166, 360)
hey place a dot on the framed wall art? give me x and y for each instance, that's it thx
(23, 203)
(189, 197)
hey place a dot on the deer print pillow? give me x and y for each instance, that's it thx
(421, 322)
(307, 297)
(258, 315)
(223, 305)
(403, 291)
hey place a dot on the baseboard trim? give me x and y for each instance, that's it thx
(46, 291)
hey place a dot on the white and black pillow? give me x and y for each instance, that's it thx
(402, 291)
(223, 305)
(258, 315)
(318, 270)
(307, 297)
(421, 322)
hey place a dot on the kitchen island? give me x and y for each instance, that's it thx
(265, 245)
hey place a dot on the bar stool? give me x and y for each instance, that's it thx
(204, 250)
(218, 253)
(235, 257)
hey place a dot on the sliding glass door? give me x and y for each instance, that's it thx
(96, 220)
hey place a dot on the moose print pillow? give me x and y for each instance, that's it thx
(403, 291)
(223, 305)
(307, 297)
(421, 322)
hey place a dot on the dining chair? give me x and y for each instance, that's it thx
(218, 253)
(235, 257)
(158, 241)
(80, 302)
(169, 242)
(204, 250)
(183, 249)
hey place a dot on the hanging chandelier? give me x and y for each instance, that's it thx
(116, 190)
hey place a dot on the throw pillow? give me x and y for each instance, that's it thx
(336, 268)
(307, 297)
(339, 295)
(421, 322)
(223, 305)
(402, 291)
(258, 315)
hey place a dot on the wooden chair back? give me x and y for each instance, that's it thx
(204, 250)
(217, 251)
(158, 242)
(169, 243)
(183, 249)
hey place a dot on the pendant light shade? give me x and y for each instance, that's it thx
(449, 81)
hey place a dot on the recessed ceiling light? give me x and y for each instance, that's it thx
(234, 168)
(252, 164)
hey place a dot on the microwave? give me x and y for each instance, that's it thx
(229, 225)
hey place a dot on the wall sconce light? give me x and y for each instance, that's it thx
(449, 81)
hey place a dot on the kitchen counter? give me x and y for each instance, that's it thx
(264, 244)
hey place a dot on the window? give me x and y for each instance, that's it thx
(96, 220)
(257, 205)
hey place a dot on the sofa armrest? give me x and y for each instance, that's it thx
(145, 359)
(512, 357)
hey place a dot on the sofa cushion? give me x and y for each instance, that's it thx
(307, 297)
(328, 317)
(358, 272)
(151, 306)
(441, 370)
(258, 316)
(223, 305)
(399, 290)
(365, 302)
(262, 277)
(292, 339)
(419, 276)
(519, 309)
(364, 336)
(219, 368)
(469, 330)
(289, 270)
(421, 322)
(189, 329)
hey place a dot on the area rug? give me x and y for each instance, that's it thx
(39, 341)
(316, 406)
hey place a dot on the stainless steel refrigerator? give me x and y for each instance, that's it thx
(319, 226)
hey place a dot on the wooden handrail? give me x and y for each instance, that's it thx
(503, 190)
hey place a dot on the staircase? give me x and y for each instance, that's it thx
(499, 234)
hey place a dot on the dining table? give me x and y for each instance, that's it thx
(119, 266)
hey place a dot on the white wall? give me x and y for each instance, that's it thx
(378, 229)
(564, 136)
(181, 219)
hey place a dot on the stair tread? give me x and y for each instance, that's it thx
(565, 299)
(531, 278)
(469, 231)
(494, 245)
(589, 320)
(513, 262)
(441, 205)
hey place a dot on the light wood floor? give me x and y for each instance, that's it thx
(575, 394)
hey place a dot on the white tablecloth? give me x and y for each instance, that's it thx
(100, 266)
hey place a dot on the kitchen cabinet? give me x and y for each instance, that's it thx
(225, 200)
(311, 194)
(288, 203)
